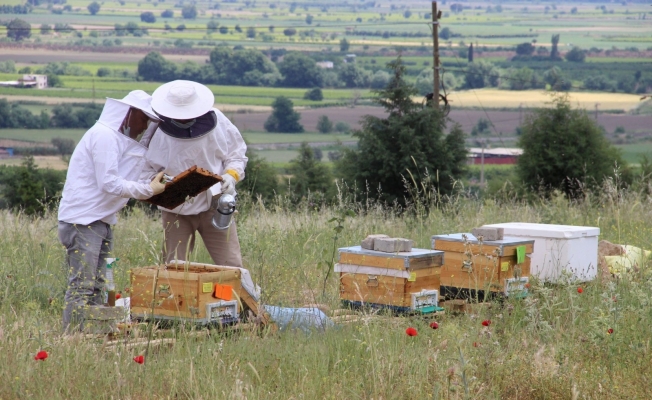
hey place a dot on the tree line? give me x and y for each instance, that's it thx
(84, 115)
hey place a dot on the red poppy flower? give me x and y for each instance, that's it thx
(614, 299)
(486, 322)
(527, 285)
(118, 296)
(41, 355)
(411, 331)
(610, 331)
(140, 359)
(580, 290)
(434, 325)
(476, 344)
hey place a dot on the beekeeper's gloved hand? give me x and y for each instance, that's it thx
(156, 185)
(228, 182)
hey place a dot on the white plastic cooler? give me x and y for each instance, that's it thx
(559, 248)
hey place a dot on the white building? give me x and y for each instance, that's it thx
(28, 81)
(325, 64)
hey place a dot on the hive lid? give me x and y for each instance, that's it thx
(547, 230)
(506, 241)
(415, 253)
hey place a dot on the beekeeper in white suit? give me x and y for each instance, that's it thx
(192, 132)
(103, 174)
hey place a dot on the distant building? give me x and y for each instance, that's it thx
(6, 152)
(325, 64)
(499, 155)
(350, 58)
(28, 81)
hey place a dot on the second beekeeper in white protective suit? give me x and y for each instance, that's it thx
(103, 174)
(193, 132)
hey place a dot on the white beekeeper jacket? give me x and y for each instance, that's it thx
(217, 151)
(105, 167)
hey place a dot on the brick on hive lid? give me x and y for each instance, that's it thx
(393, 245)
(368, 242)
(488, 233)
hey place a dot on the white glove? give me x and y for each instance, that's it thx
(228, 184)
(156, 185)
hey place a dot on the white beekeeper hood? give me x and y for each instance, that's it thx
(115, 110)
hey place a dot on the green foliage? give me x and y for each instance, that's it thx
(189, 11)
(342, 127)
(406, 154)
(148, 17)
(94, 8)
(29, 189)
(344, 45)
(64, 116)
(299, 70)
(13, 115)
(445, 33)
(525, 49)
(7, 66)
(18, 30)
(156, 68)
(483, 127)
(310, 178)
(481, 74)
(564, 149)
(314, 94)
(324, 125)
(248, 67)
(261, 179)
(353, 76)
(65, 146)
(284, 118)
(523, 79)
(167, 14)
(554, 52)
(576, 55)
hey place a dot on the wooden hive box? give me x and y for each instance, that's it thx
(487, 265)
(401, 281)
(194, 292)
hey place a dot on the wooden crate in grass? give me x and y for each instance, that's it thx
(194, 292)
(402, 281)
(484, 265)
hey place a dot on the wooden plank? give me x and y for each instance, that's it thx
(190, 182)
(426, 262)
(372, 261)
(484, 273)
(382, 290)
(459, 247)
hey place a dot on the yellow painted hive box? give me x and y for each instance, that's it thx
(495, 266)
(200, 293)
(402, 281)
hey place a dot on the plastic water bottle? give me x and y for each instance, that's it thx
(109, 282)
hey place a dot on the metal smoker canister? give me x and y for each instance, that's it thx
(223, 217)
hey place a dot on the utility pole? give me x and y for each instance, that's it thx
(596, 111)
(435, 54)
(484, 143)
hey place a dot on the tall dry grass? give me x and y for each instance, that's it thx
(553, 344)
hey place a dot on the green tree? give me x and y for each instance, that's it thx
(45, 29)
(64, 146)
(23, 189)
(576, 55)
(148, 17)
(247, 67)
(309, 19)
(481, 74)
(94, 8)
(310, 176)
(445, 33)
(251, 32)
(156, 68)
(554, 52)
(289, 32)
(189, 11)
(324, 125)
(261, 179)
(406, 153)
(353, 76)
(284, 118)
(525, 49)
(344, 45)
(211, 26)
(299, 70)
(314, 94)
(167, 14)
(564, 149)
(18, 30)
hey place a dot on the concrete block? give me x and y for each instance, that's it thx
(393, 245)
(488, 234)
(368, 242)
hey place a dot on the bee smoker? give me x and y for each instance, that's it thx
(223, 217)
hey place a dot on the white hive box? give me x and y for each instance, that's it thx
(559, 249)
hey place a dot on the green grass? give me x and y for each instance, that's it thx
(547, 345)
(41, 135)
(632, 153)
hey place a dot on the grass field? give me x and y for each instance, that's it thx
(554, 344)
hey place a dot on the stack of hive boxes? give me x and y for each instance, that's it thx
(388, 273)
